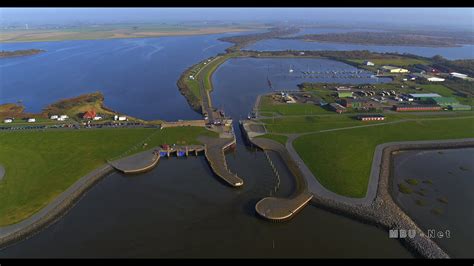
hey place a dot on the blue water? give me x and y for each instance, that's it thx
(243, 79)
(463, 52)
(137, 76)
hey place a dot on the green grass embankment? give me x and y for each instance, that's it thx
(341, 160)
(40, 165)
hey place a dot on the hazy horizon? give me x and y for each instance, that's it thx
(405, 17)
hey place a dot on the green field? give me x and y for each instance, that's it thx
(301, 124)
(341, 160)
(267, 105)
(279, 138)
(41, 164)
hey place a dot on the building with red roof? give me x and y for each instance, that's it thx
(89, 114)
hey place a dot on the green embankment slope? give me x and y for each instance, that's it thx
(42, 164)
(341, 160)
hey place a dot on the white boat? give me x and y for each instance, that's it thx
(290, 70)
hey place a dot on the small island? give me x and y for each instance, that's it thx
(5, 54)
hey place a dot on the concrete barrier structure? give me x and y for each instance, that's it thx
(137, 163)
(184, 123)
(214, 152)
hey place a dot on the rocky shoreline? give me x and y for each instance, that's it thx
(384, 212)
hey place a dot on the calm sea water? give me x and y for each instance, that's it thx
(180, 209)
(463, 52)
(451, 173)
(239, 81)
(137, 76)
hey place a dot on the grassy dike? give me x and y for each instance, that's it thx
(42, 164)
(341, 160)
(278, 138)
(202, 72)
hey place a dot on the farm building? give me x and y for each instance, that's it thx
(368, 63)
(8, 120)
(458, 75)
(460, 107)
(89, 114)
(337, 108)
(392, 69)
(410, 108)
(53, 117)
(31, 120)
(122, 118)
(444, 101)
(343, 88)
(424, 96)
(63, 117)
(344, 94)
(435, 79)
(355, 103)
(428, 77)
(371, 117)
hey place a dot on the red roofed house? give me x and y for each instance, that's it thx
(89, 114)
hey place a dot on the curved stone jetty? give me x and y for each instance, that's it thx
(214, 152)
(281, 209)
(137, 163)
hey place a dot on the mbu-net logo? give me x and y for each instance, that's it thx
(411, 233)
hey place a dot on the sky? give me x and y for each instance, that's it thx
(441, 17)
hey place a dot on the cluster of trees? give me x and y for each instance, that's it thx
(339, 55)
(465, 66)
(20, 52)
(66, 104)
(380, 38)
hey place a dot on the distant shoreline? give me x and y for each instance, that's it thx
(17, 53)
(78, 36)
(380, 44)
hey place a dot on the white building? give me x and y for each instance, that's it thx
(392, 69)
(54, 117)
(122, 118)
(31, 120)
(97, 117)
(191, 77)
(458, 75)
(61, 119)
(64, 117)
(115, 117)
(435, 79)
(8, 120)
(368, 63)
